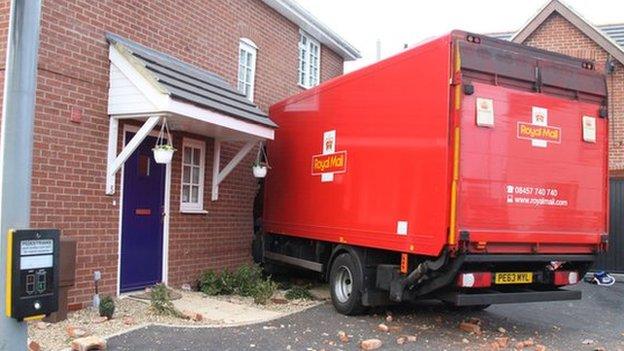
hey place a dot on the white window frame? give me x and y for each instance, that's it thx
(305, 78)
(248, 47)
(192, 207)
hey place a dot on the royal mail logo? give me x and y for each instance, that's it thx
(533, 132)
(331, 163)
(539, 132)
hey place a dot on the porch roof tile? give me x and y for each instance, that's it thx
(190, 83)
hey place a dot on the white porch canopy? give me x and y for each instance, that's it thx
(147, 85)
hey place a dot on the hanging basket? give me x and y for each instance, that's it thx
(162, 156)
(260, 167)
(259, 171)
(163, 150)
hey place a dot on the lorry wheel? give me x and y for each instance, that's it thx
(346, 280)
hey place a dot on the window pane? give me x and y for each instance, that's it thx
(185, 193)
(196, 155)
(195, 175)
(194, 194)
(241, 69)
(186, 174)
(187, 155)
(144, 165)
(241, 56)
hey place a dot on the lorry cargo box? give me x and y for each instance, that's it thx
(462, 145)
(501, 142)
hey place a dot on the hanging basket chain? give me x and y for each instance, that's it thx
(262, 154)
(160, 141)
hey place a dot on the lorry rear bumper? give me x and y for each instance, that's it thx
(498, 297)
(493, 258)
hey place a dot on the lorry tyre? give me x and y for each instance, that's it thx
(346, 281)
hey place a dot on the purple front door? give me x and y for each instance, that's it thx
(142, 223)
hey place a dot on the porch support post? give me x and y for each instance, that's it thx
(235, 160)
(218, 177)
(113, 130)
(116, 163)
(215, 169)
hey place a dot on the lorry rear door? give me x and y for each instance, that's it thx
(533, 159)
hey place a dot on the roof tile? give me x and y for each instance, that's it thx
(187, 82)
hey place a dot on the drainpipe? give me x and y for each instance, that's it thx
(16, 144)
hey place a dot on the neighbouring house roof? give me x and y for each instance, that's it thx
(609, 37)
(311, 25)
(189, 83)
(613, 31)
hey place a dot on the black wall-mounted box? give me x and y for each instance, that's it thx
(32, 273)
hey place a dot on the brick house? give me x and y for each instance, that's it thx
(109, 74)
(557, 27)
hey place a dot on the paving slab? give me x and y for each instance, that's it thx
(224, 312)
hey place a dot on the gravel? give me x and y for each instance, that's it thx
(132, 313)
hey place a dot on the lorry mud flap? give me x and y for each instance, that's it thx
(496, 297)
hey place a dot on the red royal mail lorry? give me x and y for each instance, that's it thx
(467, 169)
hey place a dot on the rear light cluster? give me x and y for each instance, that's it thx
(474, 280)
(565, 277)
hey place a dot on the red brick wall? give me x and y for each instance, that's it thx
(559, 35)
(70, 158)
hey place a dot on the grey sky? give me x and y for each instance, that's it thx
(396, 22)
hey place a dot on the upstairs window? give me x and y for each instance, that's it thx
(309, 61)
(247, 52)
(192, 192)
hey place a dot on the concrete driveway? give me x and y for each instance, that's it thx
(593, 323)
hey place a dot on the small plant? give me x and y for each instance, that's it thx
(213, 283)
(161, 301)
(264, 290)
(247, 278)
(299, 293)
(166, 147)
(245, 281)
(107, 307)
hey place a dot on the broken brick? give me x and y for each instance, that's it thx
(76, 332)
(470, 328)
(371, 344)
(343, 336)
(89, 343)
(33, 346)
(502, 341)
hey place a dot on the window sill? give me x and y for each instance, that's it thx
(303, 86)
(197, 212)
